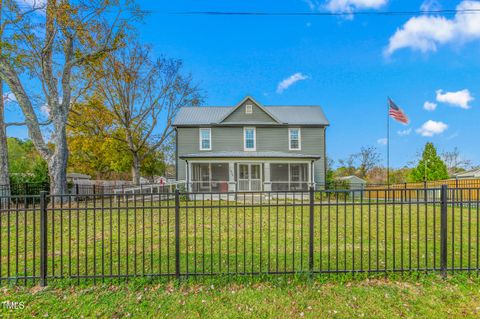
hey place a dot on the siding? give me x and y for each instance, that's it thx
(258, 115)
(268, 139)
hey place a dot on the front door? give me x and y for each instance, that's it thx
(205, 177)
(249, 177)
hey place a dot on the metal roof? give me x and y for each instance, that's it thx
(291, 115)
(351, 177)
(78, 175)
(271, 154)
(470, 173)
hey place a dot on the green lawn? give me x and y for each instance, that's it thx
(279, 297)
(114, 239)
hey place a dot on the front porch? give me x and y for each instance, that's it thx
(248, 175)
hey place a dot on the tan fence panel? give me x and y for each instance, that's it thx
(396, 191)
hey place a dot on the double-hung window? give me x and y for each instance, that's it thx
(294, 139)
(249, 143)
(205, 139)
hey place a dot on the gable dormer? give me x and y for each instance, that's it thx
(249, 111)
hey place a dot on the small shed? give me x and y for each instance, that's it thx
(353, 181)
(474, 173)
(74, 177)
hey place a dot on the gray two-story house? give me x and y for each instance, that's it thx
(250, 147)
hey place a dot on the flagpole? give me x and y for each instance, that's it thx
(388, 145)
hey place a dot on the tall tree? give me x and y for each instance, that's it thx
(27, 166)
(45, 52)
(144, 95)
(347, 166)
(430, 167)
(368, 158)
(97, 147)
(4, 171)
(455, 162)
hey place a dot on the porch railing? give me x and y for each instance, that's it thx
(245, 185)
(209, 186)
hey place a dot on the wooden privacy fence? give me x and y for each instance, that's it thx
(466, 189)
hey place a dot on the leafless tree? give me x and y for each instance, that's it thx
(347, 166)
(48, 44)
(144, 95)
(455, 162)
(368, 158)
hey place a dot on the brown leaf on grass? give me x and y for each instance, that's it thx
(35, 289)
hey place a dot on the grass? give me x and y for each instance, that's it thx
(426, 296)
(96, 238)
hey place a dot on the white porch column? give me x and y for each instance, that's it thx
(310, 175)
(188, 173)
(231, 177)
(266, 176)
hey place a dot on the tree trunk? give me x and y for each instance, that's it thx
(57, 166)
(4, 170)
(136, 169)
(4, 176)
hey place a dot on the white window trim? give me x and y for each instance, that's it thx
(200, 138)
(299, 139)
(254, 139)
(249, 109)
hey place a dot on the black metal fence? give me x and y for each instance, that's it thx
(181, 234)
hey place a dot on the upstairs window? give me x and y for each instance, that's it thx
(248, 109)
(205, 139)
(294, 139)
(249, 139)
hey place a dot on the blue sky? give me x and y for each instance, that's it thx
(341, 63)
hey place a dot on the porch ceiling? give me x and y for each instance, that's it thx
(249, 155)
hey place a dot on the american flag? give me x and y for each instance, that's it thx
(397, 113)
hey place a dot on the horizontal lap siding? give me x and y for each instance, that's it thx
(257, 115)
(223, 139)
(268, 139)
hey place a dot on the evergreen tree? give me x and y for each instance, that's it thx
(430, 167)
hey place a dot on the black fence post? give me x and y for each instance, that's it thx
(177, 234)
(43, 238)
(310, 241)
(443, 231)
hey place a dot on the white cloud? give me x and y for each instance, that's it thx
(430, 5)
(405, 132)
(45, 109)
(426, 33)
(291, 80)
(9, 97)
(454, 135)
(312, 4)
(351, 5)
(33, 3)
(460, 98)
(430, 106)
(431, 128)
(382, 141)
